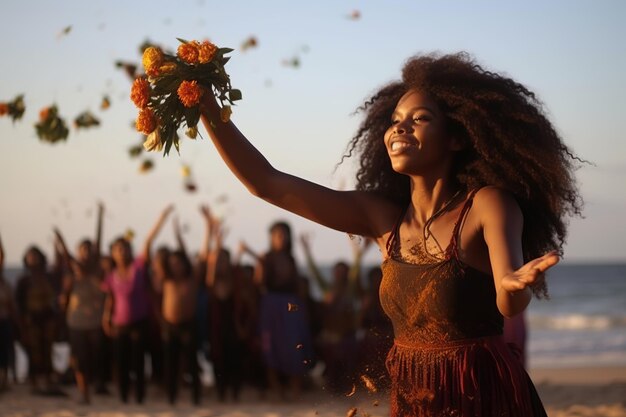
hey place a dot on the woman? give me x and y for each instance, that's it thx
(128, 307)
(82, 299)
(36, 301)
(285, 337)
(179, 331)
(465, 185)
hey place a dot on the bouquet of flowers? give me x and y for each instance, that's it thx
(170, 94)
(51, 128)
(15, 109)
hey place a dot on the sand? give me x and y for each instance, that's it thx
(581, 392)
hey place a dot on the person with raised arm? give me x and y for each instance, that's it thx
(82, 300)
(466, 186)
(179, 330)
(127, 309)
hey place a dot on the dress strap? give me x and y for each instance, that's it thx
(453, 247)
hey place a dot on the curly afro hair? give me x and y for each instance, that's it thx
(509, 143)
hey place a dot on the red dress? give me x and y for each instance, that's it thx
(448, 357)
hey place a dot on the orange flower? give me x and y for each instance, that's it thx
(188, 52)
(43, 114)
(4, 109)
(152, 60)
(206, 52)
(146, 121)
(189, 93)
(140, 92)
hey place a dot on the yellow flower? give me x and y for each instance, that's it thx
(146, 121)
(185, 171)
(140, 92)
(189, 93)
(4, 109)
(225, 113)
(206, 51)
(152, 60)
(153, 141)
(167, 67)
(188, 52)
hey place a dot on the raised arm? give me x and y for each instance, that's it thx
(353, 212)
(214, 254)
(97, 247)
(502, 223)
(155, 231)
(179, 236)
(66, 256)
(208, 232)
(1, 255)
(313, 269)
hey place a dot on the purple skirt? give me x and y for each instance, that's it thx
(285, 334)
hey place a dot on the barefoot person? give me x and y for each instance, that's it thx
(465, 186)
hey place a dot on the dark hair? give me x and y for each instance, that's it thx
(122, 240)
(42, 257)
(509, 143)
(184, 259)
(284, 226)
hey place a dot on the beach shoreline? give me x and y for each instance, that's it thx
(566, 392)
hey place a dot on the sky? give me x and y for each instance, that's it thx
(570, 53)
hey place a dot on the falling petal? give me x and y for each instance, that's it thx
(299, 346)
(351, 393)
(355, 15)
(369, 384)
(146, 166)
(65, 31)
(292, 307)
(86, 120)
(191, 187)
(185, 171)
(375, 403)
(351, 412)
(221, 199)
(249, 43)
(105, 103)
(129, 235)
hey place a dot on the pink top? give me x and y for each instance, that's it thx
(131, 297)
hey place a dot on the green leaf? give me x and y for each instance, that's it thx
(224, 50)
(234, 95)
(182, 40)
(192, 115)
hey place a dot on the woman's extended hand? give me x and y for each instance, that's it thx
(530, 274)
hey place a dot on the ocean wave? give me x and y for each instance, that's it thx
(576, 322)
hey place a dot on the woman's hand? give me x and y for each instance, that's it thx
(530, 274)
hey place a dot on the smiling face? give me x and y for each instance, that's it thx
(417, 140)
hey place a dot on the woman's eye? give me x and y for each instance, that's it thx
(420, 119)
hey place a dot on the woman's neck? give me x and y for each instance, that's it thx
(429, 196)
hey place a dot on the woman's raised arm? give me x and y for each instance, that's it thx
(353, 212)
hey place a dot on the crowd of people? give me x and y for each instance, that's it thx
(252, 315)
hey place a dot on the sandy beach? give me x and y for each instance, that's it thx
(581, 392)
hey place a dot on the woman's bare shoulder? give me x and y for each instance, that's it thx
(491, 202)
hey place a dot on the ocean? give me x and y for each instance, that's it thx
(583, 324)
